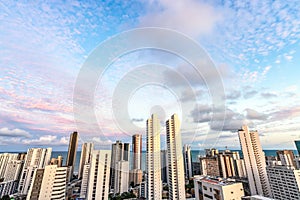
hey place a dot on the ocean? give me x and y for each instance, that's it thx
(195, 154)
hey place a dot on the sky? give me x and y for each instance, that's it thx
(254, 46)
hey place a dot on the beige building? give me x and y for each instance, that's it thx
(255, 162)
(48, 183)
(37, 158)
(5, 158)
(135, 176)
(176, 180)
(85, 157)
(217, 189)
(287, 158)
(153, 161)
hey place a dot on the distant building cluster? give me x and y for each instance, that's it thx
(170, 173)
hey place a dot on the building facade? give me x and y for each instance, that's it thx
(175, 168)
(207, 188)
(255, 162)
(188, 171)
(98, 184)
(48, 183)
(120, 152)
(137, 151)
(72, 151)
(85, 157)
(284, 182)
(153, 162)
(121, 177)
(37, 158)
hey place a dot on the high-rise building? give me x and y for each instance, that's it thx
(175, 159)
(207, 188)
(4, 159)
(284, 182)
(209, 166)
(73, 143)
(85, 158)
(255, 162)
(98, 186)
(137, 151)
(227, 168)
(48, 183)
(286, 158)
(11, 177)
(135, 176)
(164, 165)
(37, 158)
(187, 161)
(297, 143)
(121, 177)
(85, 180)
(57, 161)
(120, 152)
(153, 165)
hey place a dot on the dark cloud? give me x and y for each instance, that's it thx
(268, 95)
(218, 119)
(249, 94)
(189, 95)
(233, 95)
(137, 119)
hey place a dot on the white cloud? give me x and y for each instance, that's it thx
(190, 17)
(6, 132)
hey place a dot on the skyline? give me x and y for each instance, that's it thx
(254, 45)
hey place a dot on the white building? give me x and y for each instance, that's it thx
(4, 159)
(48, 183)
(284, 182)
(217, 189)
(188, 172)
(36, 158)
(85, 180)
(11, 177)
(98, 184)
(175, 159)
(121, 177)
(85, 158)
(255, 162)
(153, 162)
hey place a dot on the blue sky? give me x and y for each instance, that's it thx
(254, 45)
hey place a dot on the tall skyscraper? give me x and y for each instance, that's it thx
(187, 161)
(175, 159)
(297, 143)
(85, 158)
(98, 187)
(287, 158)
(73, 143)
(137, 151)
(36, 158)
(255, 162)
(284, 182)
(153, 165)
(48, 183)
(120, 152)
(121, 177)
